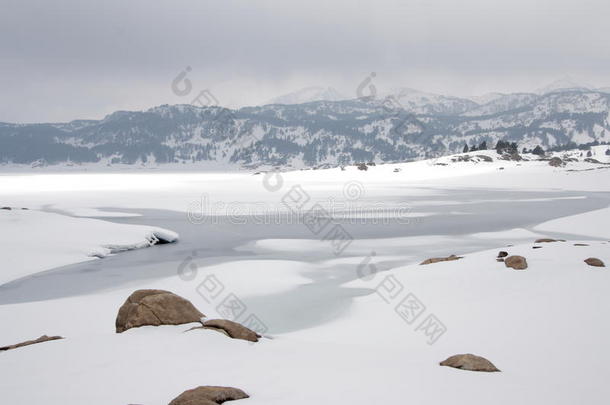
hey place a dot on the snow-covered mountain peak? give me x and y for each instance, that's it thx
(420, 102)
(562, 85)
(309, 94)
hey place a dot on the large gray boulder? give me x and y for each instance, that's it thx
(155, 307)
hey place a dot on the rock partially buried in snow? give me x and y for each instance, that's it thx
(595, 262)
(209, 395)
(516, 262)
(556, 162)
(162, 236)
(441, 259)
(232, 329)
(502, 253)
(154, 308)
(548, 240)
(43, 338)
(511, 156)
(485, 158)
(469, 362)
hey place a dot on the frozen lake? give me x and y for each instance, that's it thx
(454, 215)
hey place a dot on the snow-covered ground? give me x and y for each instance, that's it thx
(337, 325)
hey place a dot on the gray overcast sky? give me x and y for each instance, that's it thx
(68, 59)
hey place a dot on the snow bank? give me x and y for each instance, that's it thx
(34, 241)
(595, 224)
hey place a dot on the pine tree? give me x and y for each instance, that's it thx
(500, 146)
(483, 145)
(465, 150)
(538, 151)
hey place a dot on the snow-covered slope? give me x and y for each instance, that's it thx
(418, 102)
(341, 328)
(561, 85)
(503, 102)
(485, 98)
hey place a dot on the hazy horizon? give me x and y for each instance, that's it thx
(64, 60)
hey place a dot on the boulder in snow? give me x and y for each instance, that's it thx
(231, 329)
(469, 362)
(514, 156)
(441, 259)
(516, 262)
(43, 338)
(155, 307)
(485, 158)
(595, 262)
(209, 395)
(556, 162)
(548, 240)
(462, 158)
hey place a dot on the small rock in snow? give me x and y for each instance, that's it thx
(441, 259)
(232, 329)
(43, 338)
(469, 362)
(548, 240)
(516, 262)
(595, 262)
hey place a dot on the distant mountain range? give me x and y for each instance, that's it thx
(412, 125)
